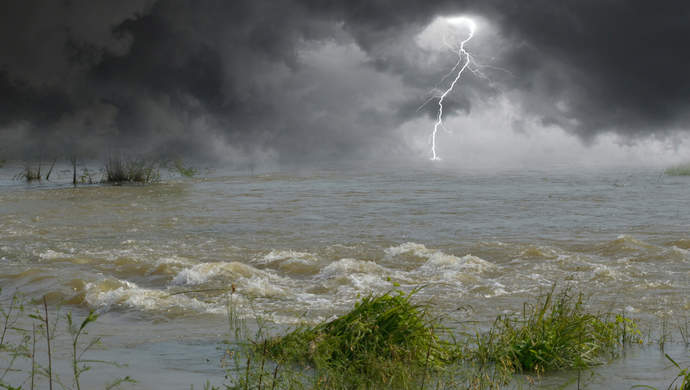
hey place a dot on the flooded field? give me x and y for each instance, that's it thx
(155, 260)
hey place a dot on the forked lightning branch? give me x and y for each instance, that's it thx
(464, 62)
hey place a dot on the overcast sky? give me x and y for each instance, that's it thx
(307, 81)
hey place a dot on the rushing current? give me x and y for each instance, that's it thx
(302, 246)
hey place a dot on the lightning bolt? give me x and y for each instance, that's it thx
(464, 61)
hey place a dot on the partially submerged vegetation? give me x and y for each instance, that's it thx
(556, 333)
(119, 170)
(29, 173)
(388, 341)
(25, 326)
(682, 380)
(678, 170)
(186, 171)
(385, 342)
(33, 173)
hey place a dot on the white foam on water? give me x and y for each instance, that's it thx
(539, 252)
(290, 261)
(659, 284)
(571, 263)
(114, 254)
(465, 272)
(298, 264)
(314, 299)
(109, 293)
(53, 255)
(367, 282)
(286, 256)
(497, 289)
(349, 266)
(438, 260)
(261, 286)
(602, 271)
(247, 279)
(203, 272)
(684, 252)
(539, 279)
(349, 276)
(294, 320)
(627, 241)
(419, 250)
(172, 260)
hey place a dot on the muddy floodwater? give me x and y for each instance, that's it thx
(302, 246)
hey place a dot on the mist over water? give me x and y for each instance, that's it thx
(301, 247)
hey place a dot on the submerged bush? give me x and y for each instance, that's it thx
(556, 333)
(678, 170)
(120, 170)
(31, 173)
(385, 339)
(186, 171)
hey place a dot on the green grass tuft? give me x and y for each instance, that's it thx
(556, 333)
(186, 171)
(384, 340)
(678, 170)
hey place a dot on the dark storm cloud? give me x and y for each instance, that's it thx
(612, 65)
(21, 100)
(618, 65)
(314, 80)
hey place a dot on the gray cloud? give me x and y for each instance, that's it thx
(617, 65)
(306, 80)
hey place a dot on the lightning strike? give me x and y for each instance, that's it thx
(463, 63)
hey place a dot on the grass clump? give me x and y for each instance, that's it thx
(678, 170)
(385, 340)
(186, 171)
(31, 173)
(556, 333)
(119, 170)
